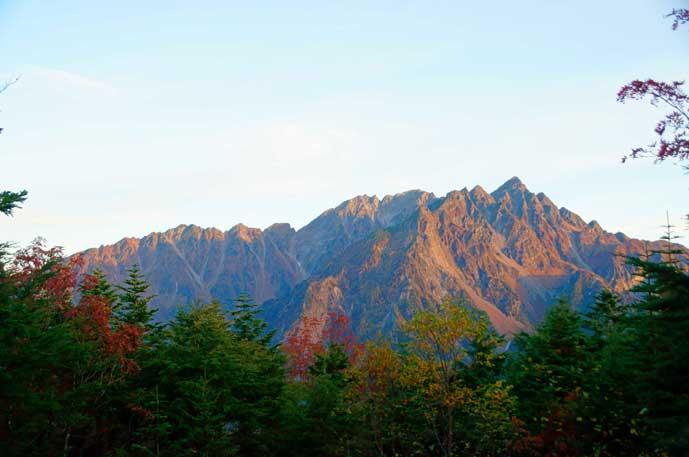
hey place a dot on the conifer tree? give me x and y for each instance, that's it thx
(204, 390)
(660, 324)
(609, 415)
(9, 201)
(547, 373)
(603, 317)
(133, 305)
(100, 287)
(247, 324)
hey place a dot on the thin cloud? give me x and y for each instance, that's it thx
(68, 78)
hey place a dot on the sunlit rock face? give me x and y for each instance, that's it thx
(510, 253)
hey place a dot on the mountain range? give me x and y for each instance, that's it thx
(510, 253)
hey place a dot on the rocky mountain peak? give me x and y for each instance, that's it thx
(248, 234)
(511, 253)
(512, 193)
(360, 206)
(281, 228)
(480, 196)
(515, 183)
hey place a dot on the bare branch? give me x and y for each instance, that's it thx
(9, 83)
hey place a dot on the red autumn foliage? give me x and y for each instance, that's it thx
(94, 315)
(338, 330)
(681, 16)
(50, 280)
(313, 335)
(302, 344)
(673, 129)
(44, 272)
(558, 438)
(141, 411)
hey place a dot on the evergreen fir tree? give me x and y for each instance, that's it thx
(669, 255)
(609, 411)
(246, 324)
(133, 305)
(101, 288)
(206, 391)
(660, 324)
(548, 372)
(604, 316)
(9, 201)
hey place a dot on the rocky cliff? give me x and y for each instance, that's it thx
(511, 253)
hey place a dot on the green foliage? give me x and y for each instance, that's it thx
(442, 393)
(320, 417)
(660, 351)
(92, 375)
(616, 385)
(61, 363)
(9, 201)
(247, 325)
(451, 364)
(332, 363)
(610, 416)
(133, 305)
(37, 355)
(549, 364)
(547, 373)
(604, 317)
(218, 392)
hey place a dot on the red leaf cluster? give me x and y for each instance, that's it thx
(94, 316)
(673, 129)
(140, 410)
(558, 437)
(338, 330)
(681, 16)
(302, 344)
(45, 275)
(49, 281)
(312, 336)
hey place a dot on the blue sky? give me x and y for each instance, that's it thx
(135, 117)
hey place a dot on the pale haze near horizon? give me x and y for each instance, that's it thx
(139, 116)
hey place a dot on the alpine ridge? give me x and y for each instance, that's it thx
(510, 253)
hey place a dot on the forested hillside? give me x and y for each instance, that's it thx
(98, 377)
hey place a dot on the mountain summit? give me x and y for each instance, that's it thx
(510, 253)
